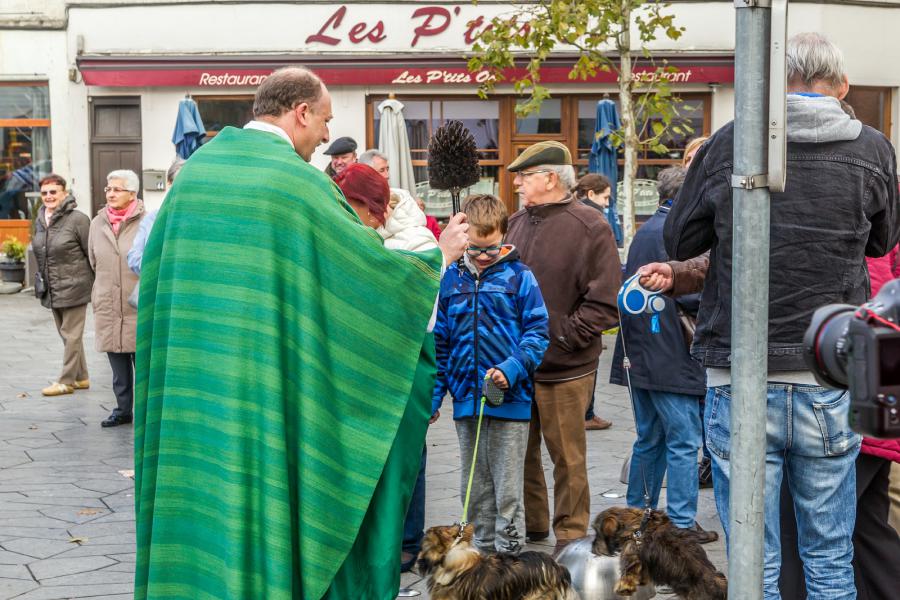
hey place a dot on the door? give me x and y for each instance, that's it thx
(115, 141)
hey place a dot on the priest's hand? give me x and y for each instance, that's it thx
(454, 238)
(657, 277)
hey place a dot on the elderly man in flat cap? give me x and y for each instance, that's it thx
(573, 255)
(343, 154)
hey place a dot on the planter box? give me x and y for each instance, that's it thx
(12, 272)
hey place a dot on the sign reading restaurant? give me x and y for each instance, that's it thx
(365, 51)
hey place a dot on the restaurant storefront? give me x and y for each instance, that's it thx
(118, 70)
(358, 85)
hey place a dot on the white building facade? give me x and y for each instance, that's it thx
(86, 87)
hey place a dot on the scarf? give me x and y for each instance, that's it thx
(117, 216)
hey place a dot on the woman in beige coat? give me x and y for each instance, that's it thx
(115, 321)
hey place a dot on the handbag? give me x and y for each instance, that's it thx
(40, 286)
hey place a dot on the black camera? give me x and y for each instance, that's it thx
(858, 348)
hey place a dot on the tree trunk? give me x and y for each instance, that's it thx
(630, 141)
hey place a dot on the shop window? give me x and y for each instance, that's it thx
(219, 112)
(872, 106)
(546, 121)
(24, 147)
(694, 110)
(423, 117)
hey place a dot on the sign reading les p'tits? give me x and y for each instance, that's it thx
(427, 21)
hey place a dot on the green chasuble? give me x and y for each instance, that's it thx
(283, 385)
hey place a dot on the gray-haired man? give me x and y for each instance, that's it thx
(840, 204)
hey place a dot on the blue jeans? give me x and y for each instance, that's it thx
(414, 524)
(668, 436)
(808, 440)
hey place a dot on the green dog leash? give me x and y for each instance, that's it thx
(465, 516)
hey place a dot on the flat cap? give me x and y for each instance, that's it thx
(342, 145)
(542, 153)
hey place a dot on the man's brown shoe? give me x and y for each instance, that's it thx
(82, 385)
(596, 424)
(57, 389)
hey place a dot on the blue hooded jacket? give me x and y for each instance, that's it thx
(512, 334)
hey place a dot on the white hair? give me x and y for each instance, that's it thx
(565, 174)
(369, 156)
(132, 183)
(174, 168)
(812, 57)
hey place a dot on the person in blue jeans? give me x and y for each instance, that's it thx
(667, 385)
(840, 204)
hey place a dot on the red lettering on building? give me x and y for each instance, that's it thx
(376, 34)
(471, 34)
(427, 28)
(333, 22)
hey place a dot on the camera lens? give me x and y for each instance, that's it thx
(825, 343)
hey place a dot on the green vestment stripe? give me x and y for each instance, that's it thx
(278, 342)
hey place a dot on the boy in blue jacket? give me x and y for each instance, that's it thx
(491, 321)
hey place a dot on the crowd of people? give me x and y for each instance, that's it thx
(281, 400)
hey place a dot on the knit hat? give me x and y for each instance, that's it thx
(361, 183)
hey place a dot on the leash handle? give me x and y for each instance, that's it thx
(465, 516)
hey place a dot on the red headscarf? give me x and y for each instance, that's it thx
(361, 183)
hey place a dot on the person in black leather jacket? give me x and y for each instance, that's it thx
(840, 204)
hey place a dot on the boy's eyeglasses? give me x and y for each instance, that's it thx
(491, 251)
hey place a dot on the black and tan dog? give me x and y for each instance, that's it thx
(655, 550)
(456, 570)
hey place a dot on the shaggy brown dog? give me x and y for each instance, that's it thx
(457, 571)
(662, 553)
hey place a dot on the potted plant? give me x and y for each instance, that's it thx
(12, 260)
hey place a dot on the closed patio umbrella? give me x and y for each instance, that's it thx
(189, 130)
(604, 157)
(394, 143)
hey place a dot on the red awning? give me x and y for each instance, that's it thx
(219, 72)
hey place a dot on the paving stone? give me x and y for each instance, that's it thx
(57, 567)
(14, 588)
(14, 558)
(100, 575)
(15, 572)
(92, 547)
(72, 592)
(39, 548)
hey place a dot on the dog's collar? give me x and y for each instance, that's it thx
(638, 535)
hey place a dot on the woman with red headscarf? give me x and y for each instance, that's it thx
(369, 195)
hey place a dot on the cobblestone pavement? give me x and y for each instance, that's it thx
(66, 496)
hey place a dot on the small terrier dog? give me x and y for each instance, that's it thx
(456, 570)
(657, 550)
